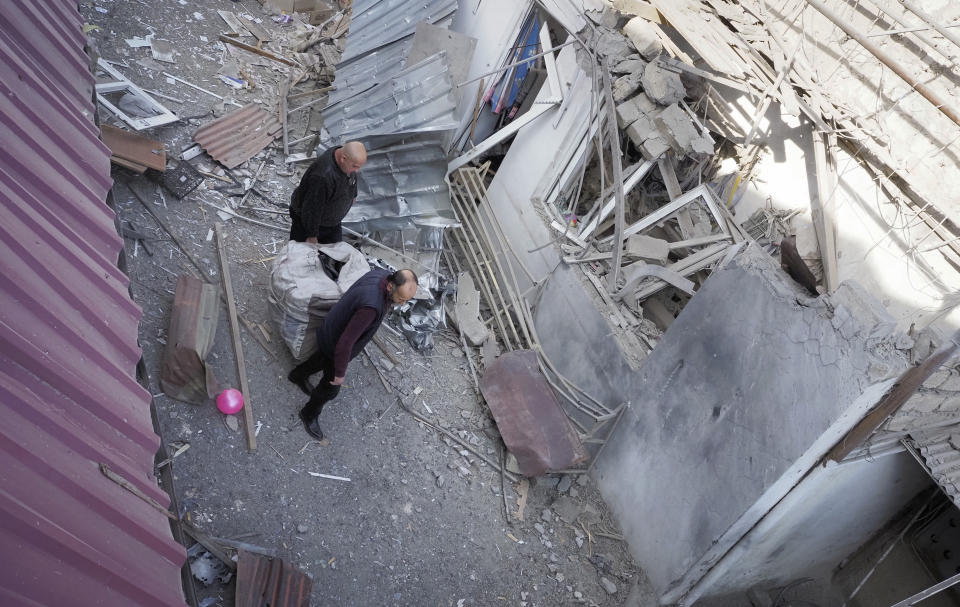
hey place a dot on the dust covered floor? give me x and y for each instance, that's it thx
(421, 520)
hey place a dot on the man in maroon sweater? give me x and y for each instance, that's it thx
(346, 329)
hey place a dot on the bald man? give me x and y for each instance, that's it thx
(346, 329)
(325, 194)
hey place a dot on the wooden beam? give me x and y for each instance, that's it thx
(257, 50)
(821, 212)
(901, 392)
(235, 336)
(615, 159)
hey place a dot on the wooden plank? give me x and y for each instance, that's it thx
(668, 172)
(233, 22)
(235, 336)
(258, 32)
(820, 212)
(616, 158)
(135, 149)
(113, 476)
(257, 50)
(900, 393)
(701, 35)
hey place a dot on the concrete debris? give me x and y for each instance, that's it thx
(566, 508)
(609, 586)
(644, 37)
(625, 86)
(648, 248)
(613, 45)
(642, 129)
(564, 485)
(467, 311)
(607, 17)
(678, 129)
(663, 86)
(632, 109)
(631, 64)
(654, 147)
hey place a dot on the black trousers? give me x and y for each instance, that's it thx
(325, 235)
(325, 391)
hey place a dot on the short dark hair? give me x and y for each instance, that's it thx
(402, 277)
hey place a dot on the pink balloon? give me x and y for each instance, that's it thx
(230, 401)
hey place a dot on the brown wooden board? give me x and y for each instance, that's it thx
(134, 148)
(193, 326)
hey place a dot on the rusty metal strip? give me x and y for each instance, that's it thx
(238, 136)
(267, 582)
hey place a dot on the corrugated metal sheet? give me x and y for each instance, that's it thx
(376, 23)
(268, 582)
(941, 456)
(418, 99)
(363, 74)
(402, 121)
(238, 136)
(68, 343)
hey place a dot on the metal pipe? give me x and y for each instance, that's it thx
(521, 62)
(929, 20)
(929, 94)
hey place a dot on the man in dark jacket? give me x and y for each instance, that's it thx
(346, 329)
(325, 194)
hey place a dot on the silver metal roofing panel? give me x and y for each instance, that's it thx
(418, 99)
(376, 23)
(365, 73)
(400, 182)
(941, 457)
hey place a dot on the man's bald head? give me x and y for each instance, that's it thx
(351, 157)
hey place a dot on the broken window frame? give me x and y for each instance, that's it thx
(121, 84)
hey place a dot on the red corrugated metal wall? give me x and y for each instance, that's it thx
(68, 343)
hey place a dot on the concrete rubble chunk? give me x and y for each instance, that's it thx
(605, 17)
(613, 45)
(631, 64)
(663, 86)
(566, 508)
(654, 147)
(468, 311)
(625, 86)
(678, 129)
(642, 129)
(644, 37)
(609, 586)
(633, 108)
(648, 248)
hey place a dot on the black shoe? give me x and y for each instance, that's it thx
(312, 426)
(302, 382)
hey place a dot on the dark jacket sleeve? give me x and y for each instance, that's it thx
(317, 192)
(359, 322)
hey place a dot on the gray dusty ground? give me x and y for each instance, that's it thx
(421, 520)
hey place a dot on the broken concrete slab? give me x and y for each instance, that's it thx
(625, 86)
(654, 147)
(678, 129)
(661, 85)
(642, 129)
(631, 64)
(648, 248)
(633, 108)
(613, 45)
(644, 37)
(566, 508)
(467, 309)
